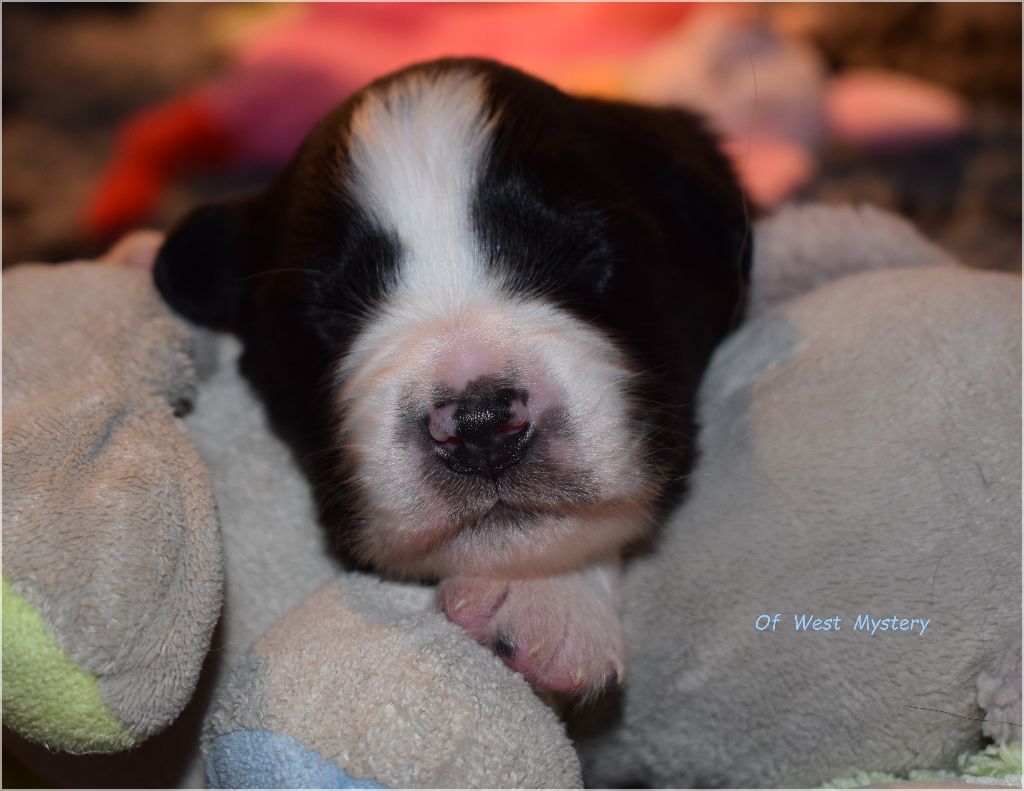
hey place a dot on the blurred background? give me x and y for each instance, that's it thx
(124, 115)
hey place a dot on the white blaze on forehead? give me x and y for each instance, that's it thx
(416, 149)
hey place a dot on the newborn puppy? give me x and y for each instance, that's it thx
(480, 308)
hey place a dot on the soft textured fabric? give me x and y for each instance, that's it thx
(47, 697)
(999, 695)
(995, 765)
(261, 759)
(860, 454)
(364, 672)
(276, 555)
(370, 676)
(880, 410)
(801, 247)
(109, 523)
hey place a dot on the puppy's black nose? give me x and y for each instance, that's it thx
(482, 434)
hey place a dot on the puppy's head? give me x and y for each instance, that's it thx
(492, 299)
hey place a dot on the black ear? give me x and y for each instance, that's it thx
(685, 167)
(196, 269)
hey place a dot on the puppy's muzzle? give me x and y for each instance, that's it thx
(484, 435)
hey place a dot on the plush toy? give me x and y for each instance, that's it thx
(840, 590)
(860, 456)
(114, 572)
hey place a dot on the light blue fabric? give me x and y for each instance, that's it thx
(262, 759)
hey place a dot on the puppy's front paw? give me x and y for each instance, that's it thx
(562, 632)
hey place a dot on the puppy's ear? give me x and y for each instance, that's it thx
(685, 167)
(198, 267)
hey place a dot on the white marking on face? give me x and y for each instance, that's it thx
(417, 149)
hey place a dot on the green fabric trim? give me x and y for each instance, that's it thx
(994, 761)
(47, 698)
(1003, 761)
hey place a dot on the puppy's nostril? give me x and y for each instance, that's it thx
(481, 434)
(511, 428)
(517, 415)
(441, 422)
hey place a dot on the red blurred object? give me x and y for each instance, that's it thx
(304, 59)
(768, 96)
(153, 148)
(886, 109)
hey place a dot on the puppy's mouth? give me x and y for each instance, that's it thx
(500, 515)
(545, 508)
(489, 530)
